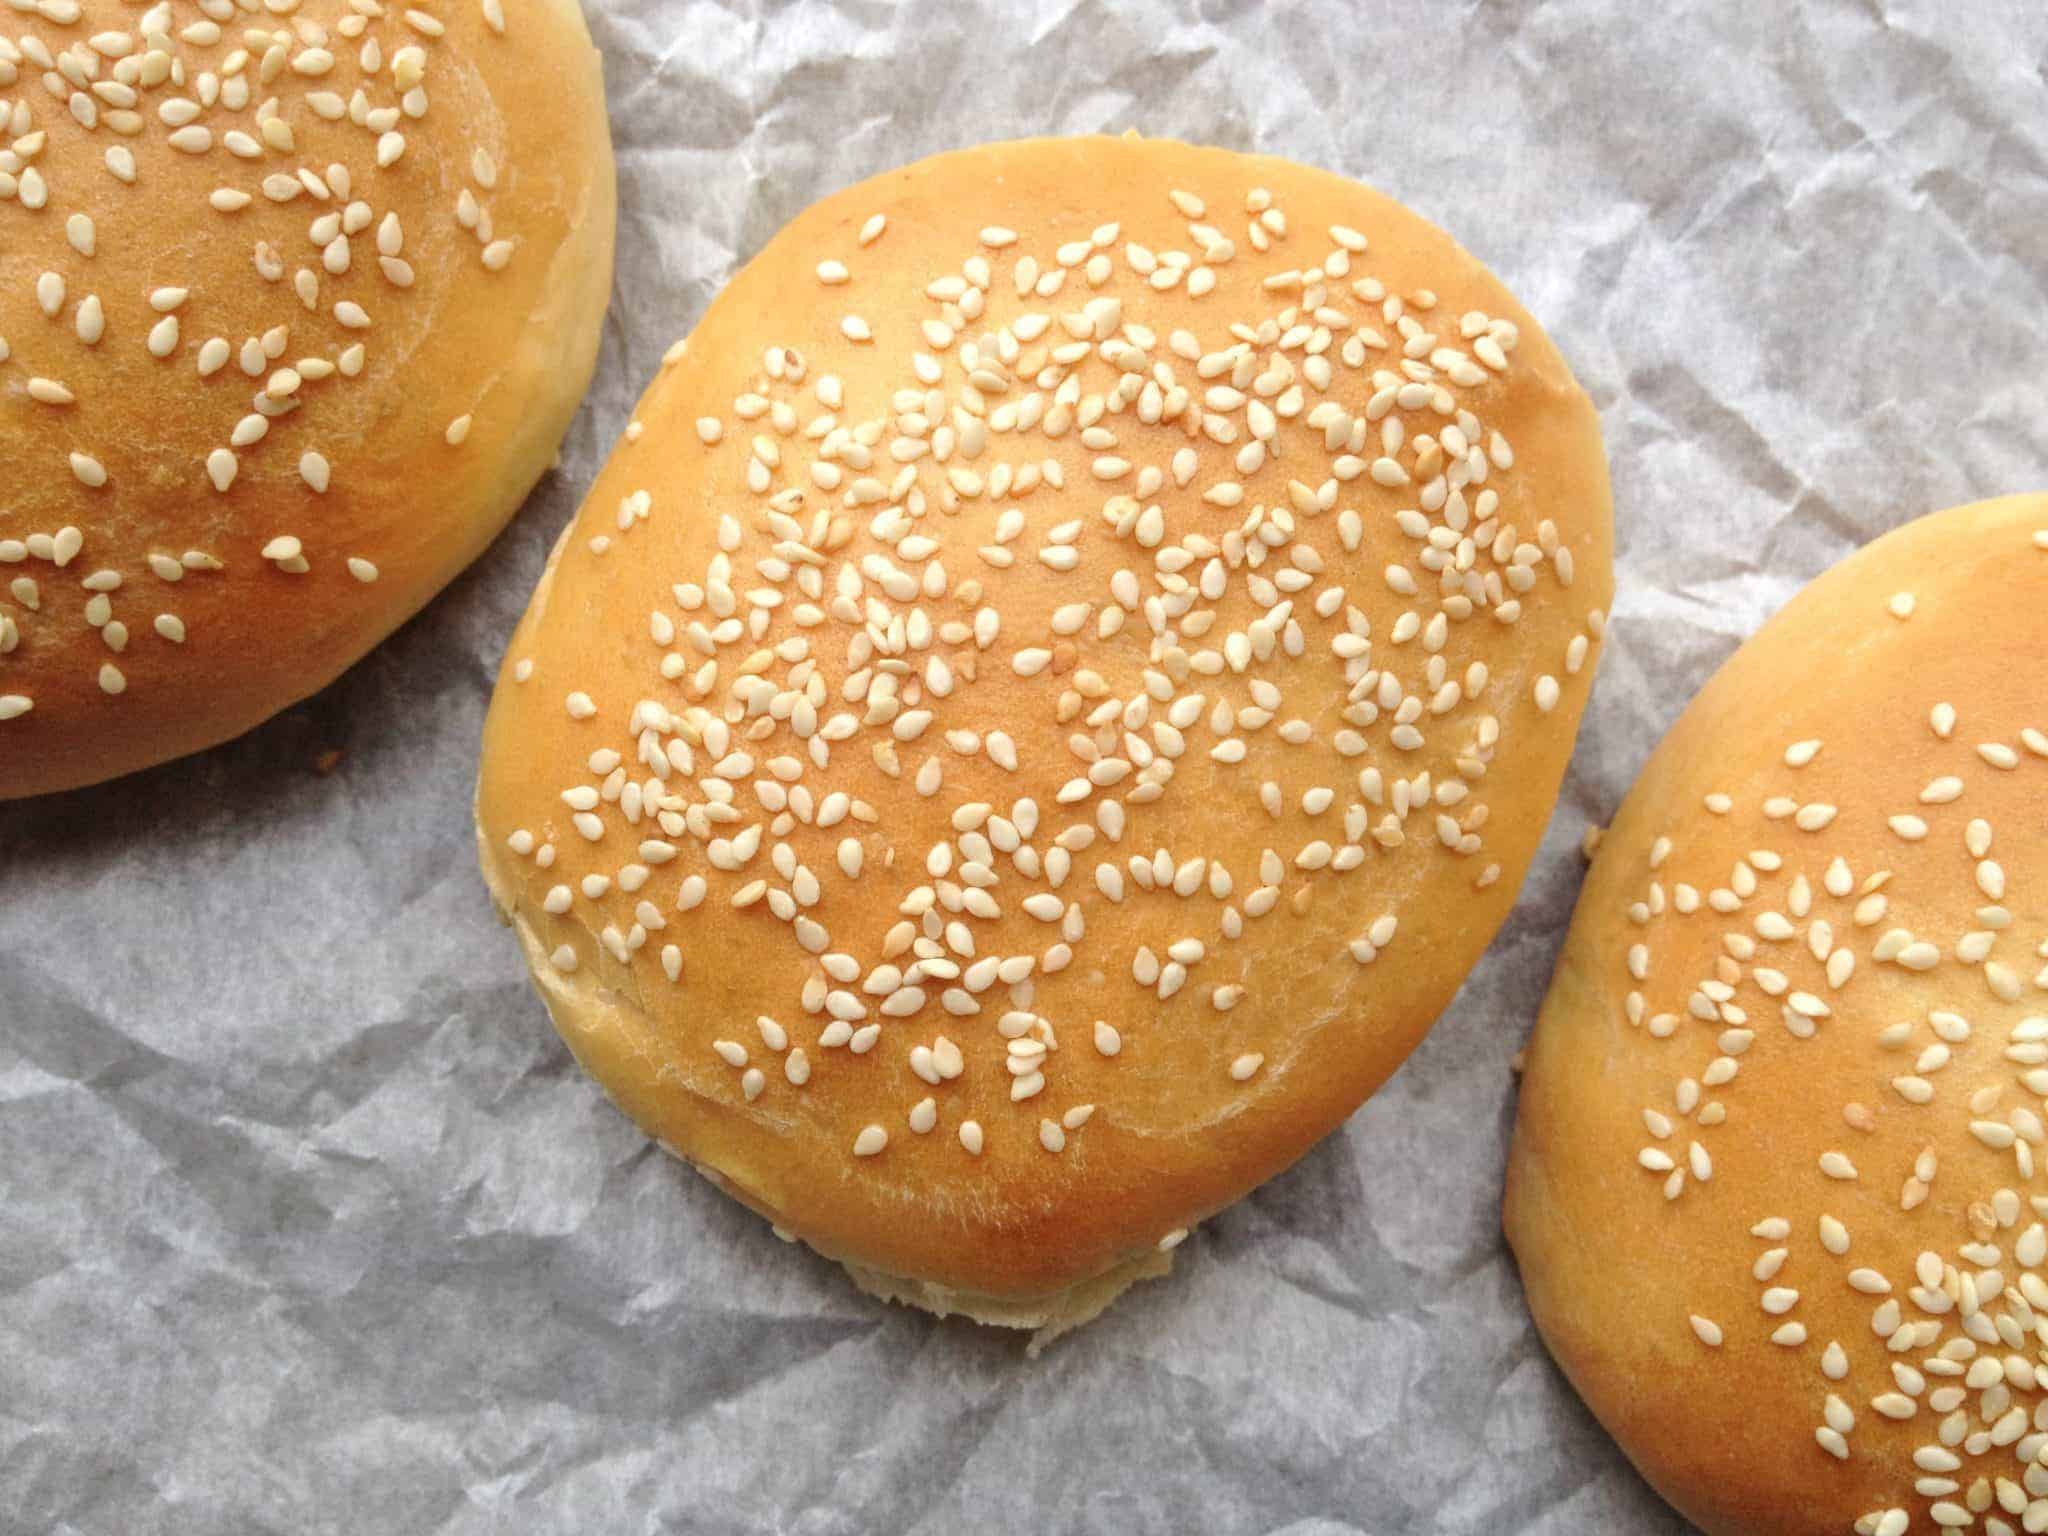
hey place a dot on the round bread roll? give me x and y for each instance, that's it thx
(1774, 1187)
(1060, 680)
(296, 303)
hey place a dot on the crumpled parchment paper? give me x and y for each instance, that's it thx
(307, 1222)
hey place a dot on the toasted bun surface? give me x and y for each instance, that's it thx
(294, 310)
(1055, 689)
(1773, 1187)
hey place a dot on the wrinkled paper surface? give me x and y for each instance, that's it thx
(309, 1224)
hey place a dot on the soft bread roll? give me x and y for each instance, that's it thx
(294, 310)
(961, 780)
(1774, 1187)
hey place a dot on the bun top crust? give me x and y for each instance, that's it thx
(1057, 685)
(294, 309)
(1774, 1186)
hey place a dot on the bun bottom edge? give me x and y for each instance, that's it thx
(1047, 1316)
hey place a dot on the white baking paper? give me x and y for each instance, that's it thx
(307, 1222)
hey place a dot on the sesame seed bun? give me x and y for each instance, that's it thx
(959, 781)
(1773, 1187)
(294, 310)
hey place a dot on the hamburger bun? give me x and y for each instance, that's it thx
(1774, 1186)
(294, 310)
(1058, 683)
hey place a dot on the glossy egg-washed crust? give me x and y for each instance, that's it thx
(1269, 1039)
(169, 203)
(1879, 1083)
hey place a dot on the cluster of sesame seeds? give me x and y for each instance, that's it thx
(92, 94)
(1202, 611)
(1956, 1347)
(59, 551)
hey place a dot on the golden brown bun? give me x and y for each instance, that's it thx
(1808, 923)
(169, 282)
(1174, 1134)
